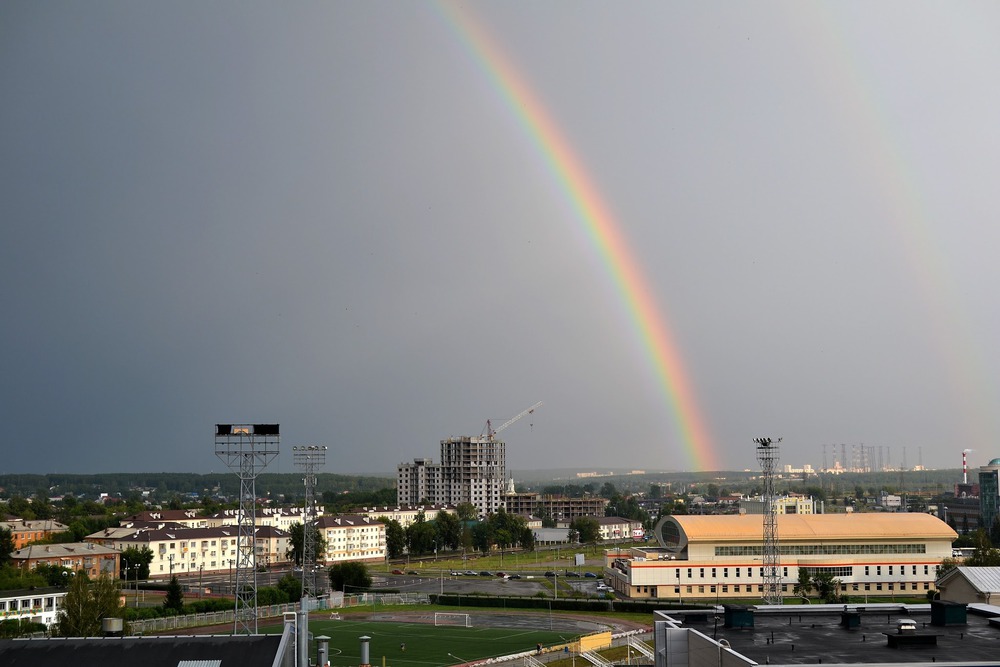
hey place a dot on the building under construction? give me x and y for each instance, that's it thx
(472, 470)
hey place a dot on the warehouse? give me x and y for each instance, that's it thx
(708, 557)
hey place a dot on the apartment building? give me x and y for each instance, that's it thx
(352, 537)
(193, 550)
(94, 559)
(406, 515)
(26, 531)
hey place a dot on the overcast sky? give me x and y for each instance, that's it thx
(336, 216)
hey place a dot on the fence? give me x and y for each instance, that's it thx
(167, 623)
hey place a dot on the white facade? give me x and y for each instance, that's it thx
(406, 516)
(40, 605)
(708, 557)
(350, 537)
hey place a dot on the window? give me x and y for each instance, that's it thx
(689, 575)
(737, 573)
(890, 572)
(866, 570)
(713, 573)
(725, 572)
(701, 572)
(878, 570)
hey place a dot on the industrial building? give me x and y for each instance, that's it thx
(711, 556)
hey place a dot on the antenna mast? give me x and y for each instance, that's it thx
(246, 449)
(768, 455)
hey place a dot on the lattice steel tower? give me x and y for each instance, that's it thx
(767, 454)
(307, 459)
(246, 449)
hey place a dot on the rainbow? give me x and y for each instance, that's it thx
(603, 230)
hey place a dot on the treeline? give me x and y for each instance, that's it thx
(162, 486)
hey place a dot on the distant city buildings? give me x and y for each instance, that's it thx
(989, 493)
(790, 504)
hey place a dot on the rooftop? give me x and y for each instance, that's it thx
(813, 634)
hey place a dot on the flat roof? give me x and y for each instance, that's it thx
(857, 527)
(793, 635)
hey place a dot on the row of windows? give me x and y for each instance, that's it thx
(825, 549)
(27, 604)
(785, 588)
(837, 571)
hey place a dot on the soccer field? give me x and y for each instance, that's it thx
(426, 644)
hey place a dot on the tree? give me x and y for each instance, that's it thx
(55, 575)
(804, 584)
(984, 555)
(449, 530)
(86, 604)
(946, 565)
(350, 576)
(827, 587)
(291, 586)
(420, 537)
(295, 538)
(467, 512)
(587, 529)
(6, 546)
(395, 537)
(174, 600)
(136, 558)
(995, 531)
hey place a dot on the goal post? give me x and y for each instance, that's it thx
(452, 618)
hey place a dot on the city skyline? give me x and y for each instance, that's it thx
(379, 225)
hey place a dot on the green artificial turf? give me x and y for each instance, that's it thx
(426, 644)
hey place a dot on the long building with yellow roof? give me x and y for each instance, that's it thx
(713, 556)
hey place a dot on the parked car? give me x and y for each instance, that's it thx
(514, 576)
(571, 573)
(412, 572)
(603, 587)
(550, 573)
(485, 573)
(469, 573)
(590, 575)
(397, 572)
(454, 573)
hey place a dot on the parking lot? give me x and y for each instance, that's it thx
(528, 584)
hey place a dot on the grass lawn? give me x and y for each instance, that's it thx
(425, 644)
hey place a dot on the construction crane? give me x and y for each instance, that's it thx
(489, 431)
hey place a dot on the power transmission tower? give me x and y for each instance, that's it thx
(246, 449)
(307, 459)
(768, 455)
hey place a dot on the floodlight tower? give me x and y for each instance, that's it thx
(246, 449)
(307, 459)
(768, 454)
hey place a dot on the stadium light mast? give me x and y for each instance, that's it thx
(307, 459)
(768, 455)
(246, 449)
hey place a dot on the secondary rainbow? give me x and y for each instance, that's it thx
(603, 230)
